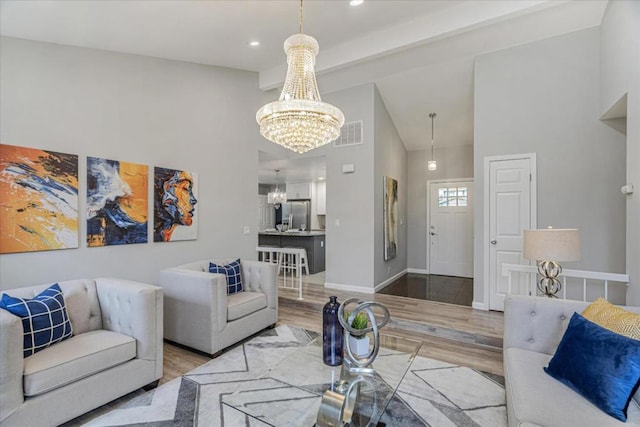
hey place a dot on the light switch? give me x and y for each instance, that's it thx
(337, 222)
(247, 229)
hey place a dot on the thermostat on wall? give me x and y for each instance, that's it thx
(350, 168)
(627, 189)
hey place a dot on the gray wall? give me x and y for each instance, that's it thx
(543, 97)
(349, 196)
(143, 110)
(620, 75)
(390, 160)
(453, 162)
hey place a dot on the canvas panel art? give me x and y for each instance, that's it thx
(38, 200)
(117, 202)
(174, 205)
(390, 218)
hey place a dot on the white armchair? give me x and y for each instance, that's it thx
(199, 313)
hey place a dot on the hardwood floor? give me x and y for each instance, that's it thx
(430, 287)
(451, 333)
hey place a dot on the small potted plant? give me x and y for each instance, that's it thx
(359, 343)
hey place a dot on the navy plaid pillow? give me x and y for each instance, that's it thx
(45, 320)
(232, 271)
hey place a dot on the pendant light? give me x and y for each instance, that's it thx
(299, 120)
(277, 197)
(432, 164)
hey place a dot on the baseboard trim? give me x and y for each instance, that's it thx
(418, 270)
(349, 288)
(479, 306)
(390, 280)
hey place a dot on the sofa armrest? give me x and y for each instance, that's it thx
(196, 303)
(262, 277)
(537, 323)
(11, 363)
(134, 309)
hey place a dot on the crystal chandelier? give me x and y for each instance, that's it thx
(277, 197)
(299, 120)
(432, 164)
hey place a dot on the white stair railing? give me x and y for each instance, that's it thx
(620, 279)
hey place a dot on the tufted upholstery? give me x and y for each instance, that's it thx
(198, 312)
(533, 328)
(85, 371)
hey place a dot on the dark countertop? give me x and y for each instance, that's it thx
(296, 233)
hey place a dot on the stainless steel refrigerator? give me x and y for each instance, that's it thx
(299, 212)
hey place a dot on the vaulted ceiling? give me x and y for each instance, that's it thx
(419, 53)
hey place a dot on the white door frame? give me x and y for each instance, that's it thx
(486, 195)
(427, 237)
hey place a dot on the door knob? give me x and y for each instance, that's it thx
(494, 242)
(432, 233)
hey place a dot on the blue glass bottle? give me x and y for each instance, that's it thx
(332, 333)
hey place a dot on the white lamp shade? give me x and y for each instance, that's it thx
(552, 244)
(432, 165)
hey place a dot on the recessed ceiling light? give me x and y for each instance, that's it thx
(356, 2)
(320, 179)
(254, 43)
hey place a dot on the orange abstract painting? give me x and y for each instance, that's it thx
(38, 200)
(117, 202)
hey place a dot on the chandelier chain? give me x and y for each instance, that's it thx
(301, 18)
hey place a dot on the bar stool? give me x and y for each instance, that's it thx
(302, 260)
(270, 254)
(290, 263)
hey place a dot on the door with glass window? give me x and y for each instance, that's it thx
(450, 228)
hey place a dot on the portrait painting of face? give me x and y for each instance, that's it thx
(117, 202)
(38, 200)
(175, 205)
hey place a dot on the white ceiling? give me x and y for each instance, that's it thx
(419, 53)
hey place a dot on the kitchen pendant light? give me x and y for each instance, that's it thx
(432, 164)
(299, 120)
(277, 197)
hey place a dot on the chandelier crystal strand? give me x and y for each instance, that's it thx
(299, 120)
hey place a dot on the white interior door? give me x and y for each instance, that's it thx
(451, 228)
(266, 215)
(511, 210)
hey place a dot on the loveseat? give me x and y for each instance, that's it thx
(533, 328)
(199, 314)
(115, 349)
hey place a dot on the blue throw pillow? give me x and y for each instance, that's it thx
(602, 366)
(45, 320)
(232, 271)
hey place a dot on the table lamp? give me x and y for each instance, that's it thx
(548, 246)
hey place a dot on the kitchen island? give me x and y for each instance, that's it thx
(312, 241)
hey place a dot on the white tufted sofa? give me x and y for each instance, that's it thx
(116, 349)
(199, 313)
(533, 328)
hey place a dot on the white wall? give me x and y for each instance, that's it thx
(453, 162)
(143, 110)
(620, 75)
(390, 160)
(543, 97)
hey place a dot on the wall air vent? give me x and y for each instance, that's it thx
(350, 134)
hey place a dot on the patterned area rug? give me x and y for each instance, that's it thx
(432, 393)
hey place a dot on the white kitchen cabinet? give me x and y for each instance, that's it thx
(300, 190)
(321, 198)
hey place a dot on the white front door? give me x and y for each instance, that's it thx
(511, 210)
(266, 215)
(450, 232)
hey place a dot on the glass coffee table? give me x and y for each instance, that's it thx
(290, 393)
